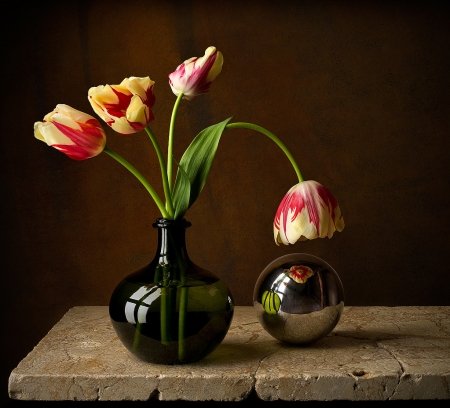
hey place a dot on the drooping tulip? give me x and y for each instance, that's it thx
(127, 107)
(307, 211)
(77, 134)
(194, 76)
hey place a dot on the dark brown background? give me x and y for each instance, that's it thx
(358, 91)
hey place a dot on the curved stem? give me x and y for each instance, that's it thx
(243, 125)
(141, 178)
(162, 165)
(170, 145)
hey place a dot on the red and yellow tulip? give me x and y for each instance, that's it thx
(127, 107)
(307, 211)
(75, 133)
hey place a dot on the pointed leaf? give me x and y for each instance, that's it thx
(184, 187)
(197, 161)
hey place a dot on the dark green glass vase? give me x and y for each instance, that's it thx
(171, 311)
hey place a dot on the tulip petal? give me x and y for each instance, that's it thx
(52, 135)
(137, 111)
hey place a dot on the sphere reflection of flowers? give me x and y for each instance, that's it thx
(125, 107)
(299, 273)
(77, 134)
(307, 211)
(194, 76)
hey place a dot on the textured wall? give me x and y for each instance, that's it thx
(358, 91)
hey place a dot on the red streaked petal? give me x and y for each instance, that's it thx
(74, 152)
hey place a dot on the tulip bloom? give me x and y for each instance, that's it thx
(127, 107)
(77, 134)
(195, 75)
(307, 211)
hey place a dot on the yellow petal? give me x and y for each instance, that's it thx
(37, 131)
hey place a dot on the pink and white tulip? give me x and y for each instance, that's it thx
(77, 134)
(194, 76)
(127, 107)
(307, 211)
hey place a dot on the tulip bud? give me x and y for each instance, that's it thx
(77, 134)
(307, 211)
(194, 76)
(125, 107)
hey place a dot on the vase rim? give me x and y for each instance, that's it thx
(166, 223)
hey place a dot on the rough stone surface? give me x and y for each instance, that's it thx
(374, 353)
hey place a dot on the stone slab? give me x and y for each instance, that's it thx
(373, 354)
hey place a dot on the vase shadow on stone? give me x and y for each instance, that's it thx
(171, 311)
(298, 298)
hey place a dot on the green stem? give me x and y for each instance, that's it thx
(184, 295)
(184, 292)
(165, 308)
(164, 316)
(171, 133)
(141, 178)
(162, 165)
(137, 334)
(243, 125)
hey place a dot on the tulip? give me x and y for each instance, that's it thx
(195, 75)
(307, 211)
(125, 107)
(77, 134)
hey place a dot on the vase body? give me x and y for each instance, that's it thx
(171, 311)
(298, 298)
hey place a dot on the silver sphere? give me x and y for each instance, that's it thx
(298, 298)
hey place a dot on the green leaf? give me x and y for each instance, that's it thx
(184, 187)
(196, 163)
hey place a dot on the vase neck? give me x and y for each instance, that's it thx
(171, 242)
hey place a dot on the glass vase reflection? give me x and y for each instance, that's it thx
(172, 311)
(298, 298)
